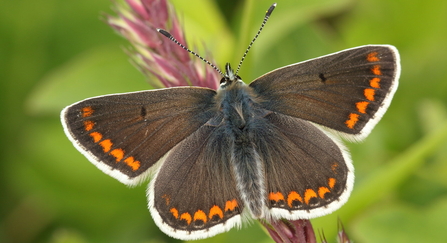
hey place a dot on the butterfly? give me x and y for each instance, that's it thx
(267, 150)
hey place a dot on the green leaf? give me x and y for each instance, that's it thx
(99, 71)
(401, 223)
(286, 20)
(203, 22)
(385, 179)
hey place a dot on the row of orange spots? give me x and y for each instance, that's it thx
(374, 82)
(107, 144)
(201, 215)
(368, 93)
(308, 194)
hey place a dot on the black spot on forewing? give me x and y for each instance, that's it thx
(143, 112)
(322, 77)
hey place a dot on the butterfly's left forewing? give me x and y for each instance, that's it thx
(126, 134)
(347, 91)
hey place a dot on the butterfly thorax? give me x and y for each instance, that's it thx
(238, 103)
(241, 118)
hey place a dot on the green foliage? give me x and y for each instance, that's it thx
(53, 53)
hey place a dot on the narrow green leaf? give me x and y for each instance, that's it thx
(385, 179)
(100, 71)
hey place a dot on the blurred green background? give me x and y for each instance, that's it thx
(54, 53)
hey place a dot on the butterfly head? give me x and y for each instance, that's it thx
(229, 78)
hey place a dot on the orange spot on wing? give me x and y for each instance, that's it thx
(87, 111)
(174, 212)
(376, 70)
(118, 154)
(309, 194)
(375, 83)
(88, 125)
(334, 166)
(134, 164)
(187, 217)
(331, 182)
(276, 196)
(200, 215)
(230, 205)
(292, 197)
(106, 145)
(353, 119)
(96, 136)
(215, 210)
(322, 190)
(372, 57)
(369, 94)
(361, 106)
(167, 198)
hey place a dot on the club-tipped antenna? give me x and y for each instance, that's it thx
(267, 16)
(167, 34)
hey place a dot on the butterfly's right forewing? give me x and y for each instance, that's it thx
(347, 91)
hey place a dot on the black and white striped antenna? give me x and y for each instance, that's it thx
(266, 18)
(167, 34)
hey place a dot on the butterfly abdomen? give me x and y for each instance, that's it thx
(241, 117)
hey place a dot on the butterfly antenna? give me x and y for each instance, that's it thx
(267, 16)
(167, 34)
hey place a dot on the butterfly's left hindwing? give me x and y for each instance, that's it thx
(194, 195)
(125, 134)
(347, 91)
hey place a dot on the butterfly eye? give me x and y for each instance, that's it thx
(223, 80)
